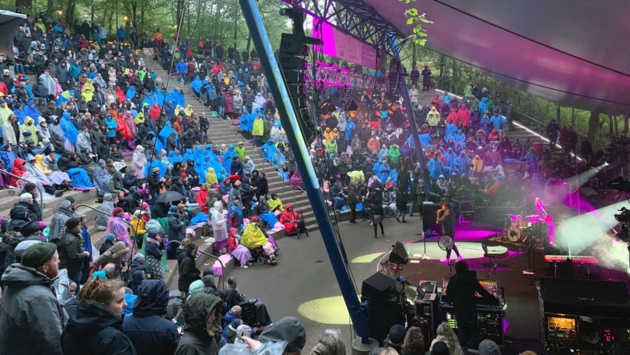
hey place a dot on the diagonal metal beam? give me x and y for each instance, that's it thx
(357, 19)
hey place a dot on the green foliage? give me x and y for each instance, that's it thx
(417, 19)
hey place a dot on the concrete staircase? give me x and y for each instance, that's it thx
(223, 132)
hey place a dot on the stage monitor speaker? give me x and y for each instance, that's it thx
(398, 254)
(378, 287)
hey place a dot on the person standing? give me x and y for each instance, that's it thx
(31, 318)
(552, 133)
(446, 217)
(96, 327)
(461, 290)
(148, 331)
(202, 313)
(352, 204)
(426, 78)
(71, 253)
(401, 206)
(375, 200)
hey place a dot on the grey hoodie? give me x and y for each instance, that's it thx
(107, 208)
(59, 220)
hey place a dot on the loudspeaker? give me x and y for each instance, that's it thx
(378, 287)
(582, 292)
(429, 215)
(382, 317)
(398, 254)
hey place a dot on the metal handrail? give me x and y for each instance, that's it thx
(41, 193)
(265, 161)
(221, 283)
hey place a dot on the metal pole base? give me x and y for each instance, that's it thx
(358, 348)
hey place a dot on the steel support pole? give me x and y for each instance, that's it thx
(296, 141)
(412, 122)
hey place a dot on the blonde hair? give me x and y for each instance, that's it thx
(100, 291)
(449, 336)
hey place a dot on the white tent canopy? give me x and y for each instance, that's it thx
(9, 22)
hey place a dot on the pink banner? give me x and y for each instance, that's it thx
(340, 45)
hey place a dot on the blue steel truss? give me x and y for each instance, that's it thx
(357, 19)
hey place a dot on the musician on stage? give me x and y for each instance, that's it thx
(461, 291)
(446, 217)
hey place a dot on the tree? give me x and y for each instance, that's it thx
(593, 127)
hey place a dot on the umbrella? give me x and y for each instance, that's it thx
(169, 196)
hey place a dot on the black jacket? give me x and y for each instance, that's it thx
(71, 254)
(461, 290)
(187, 272)
(147, 330)
(95, 331)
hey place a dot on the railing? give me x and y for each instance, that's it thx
(529, 121)
(41, 193)
(221, 283)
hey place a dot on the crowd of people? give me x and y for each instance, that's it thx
(95, 102)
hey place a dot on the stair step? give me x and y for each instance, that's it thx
(224, 132)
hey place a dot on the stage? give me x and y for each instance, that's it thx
(516, 268)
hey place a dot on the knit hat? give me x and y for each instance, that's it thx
(196, 287)
(71, 199)
(138, 257)
(156, 169)
(488, 347)
(236, 310)
(109, 237)
(117, 211)
(287, 329)
(38, 254)
(396, 334)
(73, 223)
(30, 229)
(172, 208)
(25, 197)
(440, 348)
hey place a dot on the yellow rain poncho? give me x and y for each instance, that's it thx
(253, 237)
(274, 203)
(211, 178)
(188, 111)
(88, 90)
(39, 163)
(26, 127)
(139, 119)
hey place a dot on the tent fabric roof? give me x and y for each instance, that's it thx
(9, 22)
(572, 52)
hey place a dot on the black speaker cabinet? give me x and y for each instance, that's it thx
(378, 287)
(429, 215)
(398, 254)
(382, 316)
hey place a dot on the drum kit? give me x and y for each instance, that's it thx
(523, 229)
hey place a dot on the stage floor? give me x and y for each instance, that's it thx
(303, 283)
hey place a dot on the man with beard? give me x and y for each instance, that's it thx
(31, 318)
